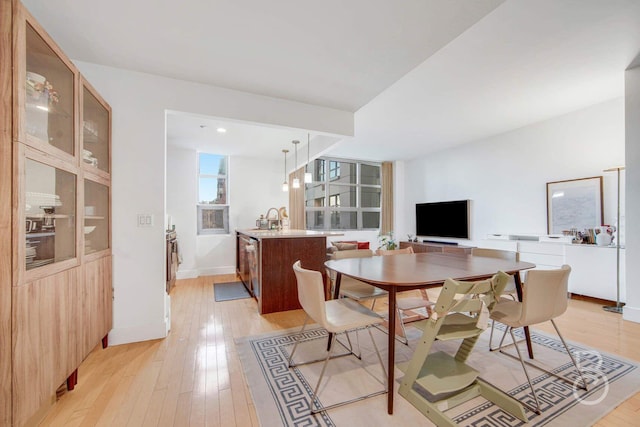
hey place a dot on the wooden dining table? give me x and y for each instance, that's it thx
(405, 272)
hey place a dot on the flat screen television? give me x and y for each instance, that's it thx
(443, 219)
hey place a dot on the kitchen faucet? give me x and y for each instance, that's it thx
(278, 219)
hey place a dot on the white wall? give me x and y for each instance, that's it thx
(139, 102)
(255, 185)
(505, 176)
(632, 111)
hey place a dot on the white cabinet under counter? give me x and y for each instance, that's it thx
(593, 268)
(546, 256)
(593, 271)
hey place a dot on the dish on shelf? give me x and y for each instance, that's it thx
(91, 161)
(35, 77)
(39, 262)
(89, 228)
(42, 199)
(39, 89)
(88, 157)
(90, 130)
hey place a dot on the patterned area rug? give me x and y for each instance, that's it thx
(281, 395)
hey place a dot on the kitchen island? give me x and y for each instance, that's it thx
(264, 262)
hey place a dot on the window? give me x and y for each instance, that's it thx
(344, 195)
(213, 203)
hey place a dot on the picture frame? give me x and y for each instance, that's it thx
(574, 204)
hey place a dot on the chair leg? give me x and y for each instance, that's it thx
(315, 404)
(350, 348)
(493, 326)
(491, 347)
(524, 363)
(314, 396)
(429, 307)
(584, 383)
(402, 335)
(384, 371)
(404, 340)
(501, 346)
(524, 367)
(304, 325)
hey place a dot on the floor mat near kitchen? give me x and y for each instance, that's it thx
(229, 291)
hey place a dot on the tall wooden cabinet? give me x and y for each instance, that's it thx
(55, 218)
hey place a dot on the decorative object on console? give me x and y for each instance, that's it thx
(618, 307)
(574, 203)
(604, 235)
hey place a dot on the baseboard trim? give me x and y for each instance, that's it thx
(631, 314)
(216, 270)
(186, 274)
(138, 333)
(592, 299)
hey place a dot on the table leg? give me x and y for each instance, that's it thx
(392, 348)
(527, 334)
(336, 295)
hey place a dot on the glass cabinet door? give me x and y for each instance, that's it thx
(49, 100)
(95, 132)
(50, 206)
(96, 217)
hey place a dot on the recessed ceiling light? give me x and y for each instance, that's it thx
(221, 130)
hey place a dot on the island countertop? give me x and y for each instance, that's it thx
(260, 234)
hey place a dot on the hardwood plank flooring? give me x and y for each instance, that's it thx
(194, 376)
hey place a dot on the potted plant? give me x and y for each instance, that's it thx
(387, 241)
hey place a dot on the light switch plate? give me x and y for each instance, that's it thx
(145, 220)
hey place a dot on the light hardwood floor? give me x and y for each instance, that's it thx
(194, 376)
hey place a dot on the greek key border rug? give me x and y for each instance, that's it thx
(281, 395)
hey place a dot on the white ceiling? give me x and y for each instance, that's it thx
(200, 133)
(472, 68)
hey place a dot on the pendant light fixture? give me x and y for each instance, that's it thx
(308, 178)
(296, 181)
(285, 185)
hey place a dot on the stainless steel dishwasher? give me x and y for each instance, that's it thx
(253, 258)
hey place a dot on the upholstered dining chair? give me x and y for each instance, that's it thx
(360, 291)
(509, 292)
(407, 303)
(336, 316)
(544, 297)
(353, 288)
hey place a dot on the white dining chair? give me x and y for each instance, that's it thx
(336, 316)
(544, 298)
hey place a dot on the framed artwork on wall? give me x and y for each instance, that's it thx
(575, 203)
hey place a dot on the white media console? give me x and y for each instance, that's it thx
(593, 268)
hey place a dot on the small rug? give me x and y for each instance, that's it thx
(229, 291)
(281, 395)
